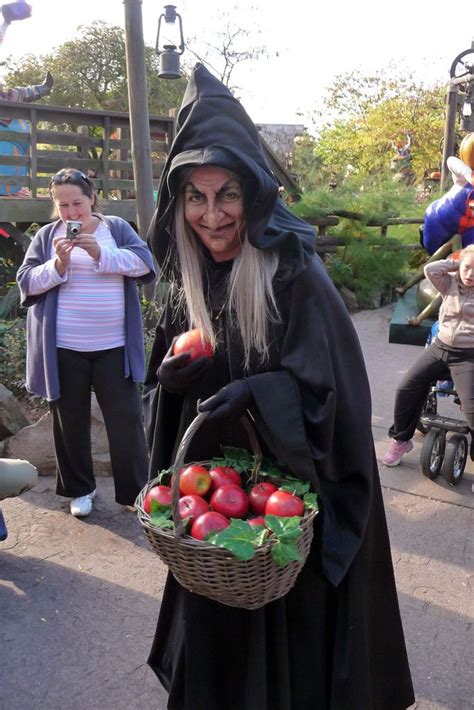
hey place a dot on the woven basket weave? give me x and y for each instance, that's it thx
(211, 571)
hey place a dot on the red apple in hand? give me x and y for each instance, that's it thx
(223, 475)
(192, 507)
(193, 342)
(194, 480)
(208, 522)
(284, 504)
(156, 497)
(259, 495)
(231, 501)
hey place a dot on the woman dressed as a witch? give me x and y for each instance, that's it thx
(242, 268)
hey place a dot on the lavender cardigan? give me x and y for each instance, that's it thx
(41, 354)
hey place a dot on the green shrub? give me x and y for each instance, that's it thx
(151, 312)
(370, 266)
(13, 355)
(369, 263)
(373, 198)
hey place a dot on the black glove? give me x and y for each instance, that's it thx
(176, 376)
(229, 402)
(45, 88)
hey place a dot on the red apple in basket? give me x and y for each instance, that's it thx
(259, 520)
(193, 342)
(259, 495)
(231, 501)
(224, 475)
(192, 507)
(284, 504)
(207, 523)
(156, 497)
(194, 480)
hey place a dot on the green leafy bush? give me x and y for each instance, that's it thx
(372, 198)
(370, 266)
(13, 355)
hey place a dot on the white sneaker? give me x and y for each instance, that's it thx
(82, 506)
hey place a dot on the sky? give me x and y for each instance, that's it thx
(308, 42)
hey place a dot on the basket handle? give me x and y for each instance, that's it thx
(181, 455)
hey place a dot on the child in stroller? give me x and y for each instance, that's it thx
(451, 354)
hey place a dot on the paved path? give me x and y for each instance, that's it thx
(79, 599)
(431, 528)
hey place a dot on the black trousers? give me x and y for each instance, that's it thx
(120, 402)
(438, 362)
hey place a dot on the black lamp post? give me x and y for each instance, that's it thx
(138, 103)
(171, 48)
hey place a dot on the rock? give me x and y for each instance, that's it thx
(12, 418)
(349, 299)
(35, 444)
(375, 299)
(388, 296)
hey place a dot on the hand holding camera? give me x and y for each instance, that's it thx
(73, 228)
(63, 247)
(84, 240)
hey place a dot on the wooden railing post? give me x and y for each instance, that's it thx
(105, 158)
(33, 153)
(449, 132)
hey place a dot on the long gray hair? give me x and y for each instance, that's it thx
(250, 296)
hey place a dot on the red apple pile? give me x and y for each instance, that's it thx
(210, 498)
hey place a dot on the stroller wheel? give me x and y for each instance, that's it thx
(455, 458)
(432, 452)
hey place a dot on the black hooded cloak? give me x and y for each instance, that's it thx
(335, 640)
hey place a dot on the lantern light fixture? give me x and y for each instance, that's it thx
(170, 48)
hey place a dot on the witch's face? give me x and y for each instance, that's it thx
(214, 209)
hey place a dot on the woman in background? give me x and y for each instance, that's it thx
(84, 332)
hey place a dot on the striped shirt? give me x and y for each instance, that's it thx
(91, 306)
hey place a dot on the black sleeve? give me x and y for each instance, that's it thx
(317, 411)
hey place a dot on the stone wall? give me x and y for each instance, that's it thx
(281, 139)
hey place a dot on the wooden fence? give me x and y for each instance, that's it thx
(326, 244)
(94, 141)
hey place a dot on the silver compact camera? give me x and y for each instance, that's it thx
(73, 227)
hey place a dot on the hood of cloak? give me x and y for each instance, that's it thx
(213, 128)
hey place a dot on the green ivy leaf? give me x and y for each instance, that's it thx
(240, 459)
(157, 508)
(285, 529)
(311, 501)
(164, 477)
(187, 522)
(160, 521)
(285, 552)
(269, 469)
(240, 538)
(287, 532)
(295, 486)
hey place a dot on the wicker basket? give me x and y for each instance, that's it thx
(214, 572)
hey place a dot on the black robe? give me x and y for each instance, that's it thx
(335, 640)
